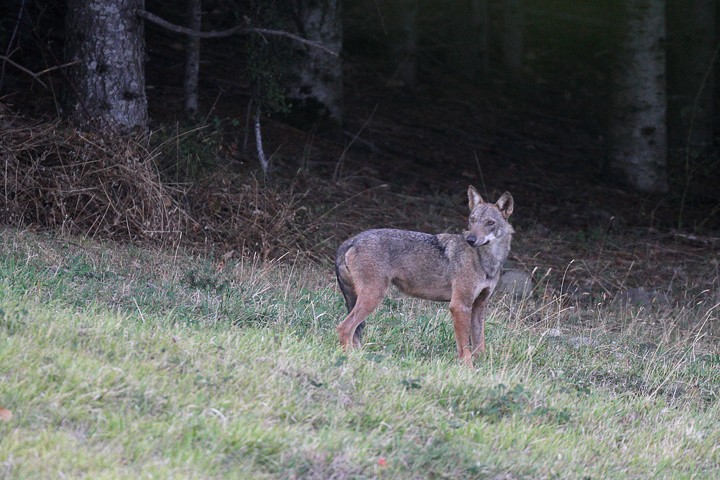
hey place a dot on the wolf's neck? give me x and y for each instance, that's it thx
(493, 255)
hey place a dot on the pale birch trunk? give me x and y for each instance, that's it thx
(638, 138)
(315, 82)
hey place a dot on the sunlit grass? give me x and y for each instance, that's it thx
(118, 362)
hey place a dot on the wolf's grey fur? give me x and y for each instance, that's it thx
(462, 269)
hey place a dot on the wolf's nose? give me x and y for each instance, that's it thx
(471, 239)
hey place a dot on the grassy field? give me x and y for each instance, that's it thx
(120, 362)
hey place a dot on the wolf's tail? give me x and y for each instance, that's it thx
(345, 282)
(343, 276)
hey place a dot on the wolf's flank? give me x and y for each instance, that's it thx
(462, 269)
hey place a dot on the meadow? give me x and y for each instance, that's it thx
(121, 361)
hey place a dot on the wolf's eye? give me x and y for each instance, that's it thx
(490, 223)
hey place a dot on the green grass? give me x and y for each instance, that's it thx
(119, 362)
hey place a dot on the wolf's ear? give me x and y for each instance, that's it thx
(505, 204)
(474, 198)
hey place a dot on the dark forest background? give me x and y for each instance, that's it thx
(599, 117)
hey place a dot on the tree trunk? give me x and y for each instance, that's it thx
(691, 53)
(106, 85)
(469, 37)
(192, 58)
(513, 36)
(481, 22)
(402, 30)
(315, 86)
(638, 139)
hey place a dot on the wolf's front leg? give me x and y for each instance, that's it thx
(479, 311)
(461, 314)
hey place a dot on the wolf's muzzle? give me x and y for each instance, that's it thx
(473, 241)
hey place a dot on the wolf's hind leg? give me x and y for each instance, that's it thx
(357, 336)
(367, 301)
(349, 296)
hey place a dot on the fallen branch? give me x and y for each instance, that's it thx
(236, 30)
(697, 239)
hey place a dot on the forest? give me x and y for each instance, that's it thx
(177, 177)
(284, 127)
(625, 89)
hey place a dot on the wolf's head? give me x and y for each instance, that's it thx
(488, 221)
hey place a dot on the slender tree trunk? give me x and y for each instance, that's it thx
(481, 22)
(192, 58)
(513, 36)
(315, 83)
(264, 162)
(468, 37)
(402, 25)
(638, 138)
(691, 79)
(104, 39)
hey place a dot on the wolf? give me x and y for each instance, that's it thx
(462, 269)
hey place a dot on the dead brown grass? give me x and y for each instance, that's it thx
(80, 183)
(109, 187)
(302, 215)
(55, 177)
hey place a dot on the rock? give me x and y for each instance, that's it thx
(553, 332)
(640, 297)
(516, 283)
(578, 342)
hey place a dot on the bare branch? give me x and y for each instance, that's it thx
(297, 38)
(236, 30)
(11, 42)
(57, 67)
(20, 67)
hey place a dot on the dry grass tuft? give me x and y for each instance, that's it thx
(110, 187)
(303, 215)
(103, 186)
(241, 213)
